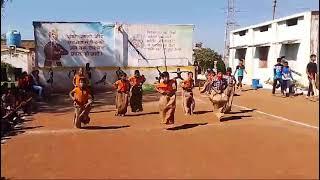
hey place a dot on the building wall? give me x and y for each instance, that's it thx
(19, 60)
(314, 44)
(62, 83)
(177, 42)
(276, 37)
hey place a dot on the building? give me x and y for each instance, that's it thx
(296, 37)
(22, 58)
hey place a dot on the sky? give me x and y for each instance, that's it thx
(208, 16)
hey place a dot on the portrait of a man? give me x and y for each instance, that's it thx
(53, 51)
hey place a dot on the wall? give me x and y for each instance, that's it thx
(19, 60)
(62, 83)
(314, 44)
(107, 46)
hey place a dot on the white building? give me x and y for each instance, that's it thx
(296, 37)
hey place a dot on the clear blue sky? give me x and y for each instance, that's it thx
(208, 16)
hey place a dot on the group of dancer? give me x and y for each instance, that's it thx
(219, 88)
(82, 95)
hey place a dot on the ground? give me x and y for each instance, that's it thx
(264, 136)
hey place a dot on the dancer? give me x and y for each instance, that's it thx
(122, 95)
(119, 72)
(167, 103)
(188, 102)
(218, 97)
(230, 89)
(136, 83)
(82, 99)
(207, 85)
(78, 76)
(88, 75)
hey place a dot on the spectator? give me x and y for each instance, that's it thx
(277, 76)
(311, 71)
(8, 100)
(23, 81)
(35, 83)
(286, 78)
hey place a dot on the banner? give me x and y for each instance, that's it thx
(74, 44)
(157, 45)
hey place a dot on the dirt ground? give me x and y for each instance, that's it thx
(264, 137)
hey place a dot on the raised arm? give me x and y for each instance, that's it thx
(71, 94)
(74, 81)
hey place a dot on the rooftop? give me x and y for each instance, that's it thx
(25, 44)
(275, 20)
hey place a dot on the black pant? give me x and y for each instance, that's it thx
(275, 84)
(240, 78)
(310, 89)
(286, 84)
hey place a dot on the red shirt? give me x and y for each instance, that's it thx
(76, 79)
(122, 86)
(23, 83)
(167, 87)
(137, 81)
(187, 84)
(81, 95)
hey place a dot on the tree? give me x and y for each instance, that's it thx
(3, 2)
(206, 58)
(221, 66)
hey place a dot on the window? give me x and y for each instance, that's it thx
(241, 53)
(290, 51)
(292, 22)
(263, 56)
(264, 28)
(242, 33)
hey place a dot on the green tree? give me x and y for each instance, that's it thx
(3, 2)
(206, 58)
(221, 66)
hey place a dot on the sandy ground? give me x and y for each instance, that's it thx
(264, 136)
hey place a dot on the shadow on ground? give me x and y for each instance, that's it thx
(186, 126)
(102, 111)
(141, 114)
(202, 112)
(242, 111)
(104, 127)
(61, 103)
(250, 89)
(16, 131)
(233, 118)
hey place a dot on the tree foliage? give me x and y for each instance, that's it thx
(3, 2)
(206, 58)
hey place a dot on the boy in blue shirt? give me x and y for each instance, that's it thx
(286, 78)
(277, 75)
(240, 68)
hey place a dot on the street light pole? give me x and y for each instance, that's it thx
(274, 8)
(164, 53)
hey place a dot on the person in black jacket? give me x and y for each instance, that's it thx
(311, 71)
